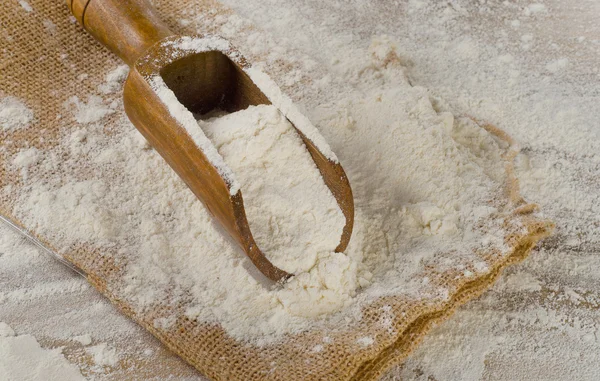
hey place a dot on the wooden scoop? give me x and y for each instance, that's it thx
(202, 73)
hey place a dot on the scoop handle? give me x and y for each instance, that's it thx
(127, 27)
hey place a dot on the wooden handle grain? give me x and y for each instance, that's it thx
(126, 27)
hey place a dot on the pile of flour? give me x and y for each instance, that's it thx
(426, 186)
(527, 67)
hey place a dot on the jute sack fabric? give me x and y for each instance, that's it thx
(44, 52)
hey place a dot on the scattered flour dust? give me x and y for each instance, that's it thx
(365, 341)
(91, 111)
(25, 5)
(543, 321)
(61, 307)
(22, 358)
(103, 355)
(85, 339)
(95, 109)
(14, 114)
(424, 181)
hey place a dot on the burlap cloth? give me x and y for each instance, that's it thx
(41, 64)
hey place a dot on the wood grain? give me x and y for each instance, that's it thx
(127, 27)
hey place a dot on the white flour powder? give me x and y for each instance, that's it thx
(22, 358)
(425, 185)
(103, 355)
(293, 216)
(526, 66)
(14, 114)
(43, 298)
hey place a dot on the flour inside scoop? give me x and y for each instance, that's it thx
(293, 216)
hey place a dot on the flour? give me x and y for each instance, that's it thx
(25, 159)
(25, 5)
(531, 324)
(83, 339)
(447, 172)
(114, 79)
(293, 216)
(486, 59)
(91, 111)
(184, 46)
(534, 8)
(365, 341)
(14, 114)
(22, 358)
(5, 330)
(57, 305)
(557, 65)
(103, 355)
(287, 107)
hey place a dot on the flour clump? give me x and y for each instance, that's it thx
(14, 114)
